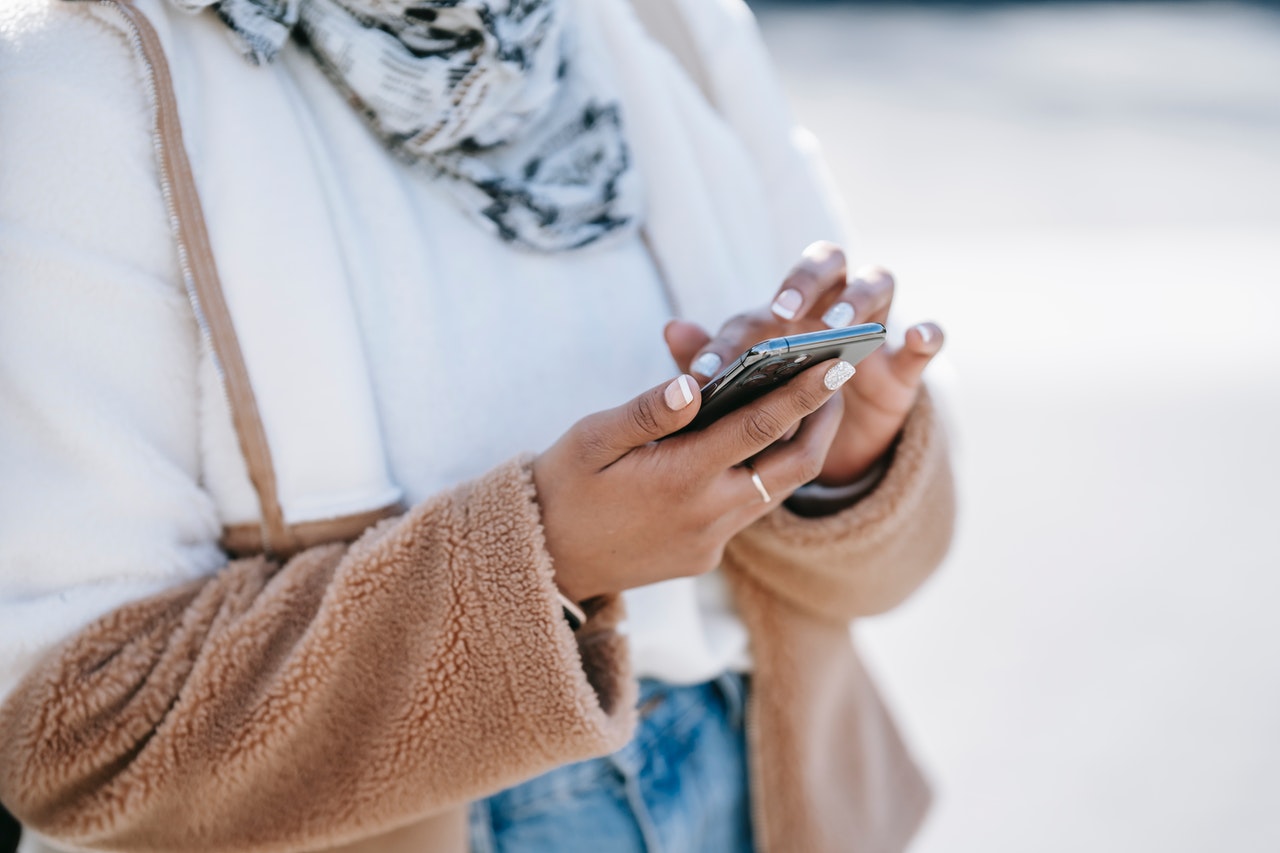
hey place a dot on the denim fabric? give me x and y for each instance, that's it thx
(680, 786)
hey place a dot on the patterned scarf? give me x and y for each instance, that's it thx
(485, 94)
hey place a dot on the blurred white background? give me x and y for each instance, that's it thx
(1088, 198)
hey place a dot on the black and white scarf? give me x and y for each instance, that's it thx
(483, 93)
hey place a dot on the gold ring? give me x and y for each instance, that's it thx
(759, 484)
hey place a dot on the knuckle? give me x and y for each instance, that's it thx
(877, 276)
(821, 261)
(822, 250)
(643, 414)
(761, 426)
(804, 277)
(759, 319)
(807, 398)
(808, 463)
(734, 331)
(589, 435)
(583, 427)
(751, 327)
(835, 256)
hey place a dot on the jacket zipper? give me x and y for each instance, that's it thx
(170, 153)
(134, 35)
(755, 794)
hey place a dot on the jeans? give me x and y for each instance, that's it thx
(680, 786)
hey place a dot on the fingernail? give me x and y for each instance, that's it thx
(926, 334)
(707, 364)
(837, 375)
(788, 303)
(838, 316)
(679, 393)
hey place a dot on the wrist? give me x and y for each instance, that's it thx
(817, 499)
(839, 473)
(855, 453)
(573, 612)
(571, 591)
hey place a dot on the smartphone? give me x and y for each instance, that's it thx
(770, 363)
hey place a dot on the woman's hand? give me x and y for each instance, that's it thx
(622, 509)
(816, 295)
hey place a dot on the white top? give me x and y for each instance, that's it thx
(118, 461)
(498, 350)
(493, 350)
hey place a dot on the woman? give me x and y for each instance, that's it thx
(385, 303)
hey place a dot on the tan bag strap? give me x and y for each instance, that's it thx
(200, 275)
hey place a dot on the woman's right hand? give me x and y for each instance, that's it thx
(622, 509)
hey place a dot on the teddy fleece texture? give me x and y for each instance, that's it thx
(358, 689)
(284, 707)
(353, 696)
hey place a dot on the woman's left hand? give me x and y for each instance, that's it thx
(817, 294)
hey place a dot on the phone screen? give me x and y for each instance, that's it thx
(770, 363)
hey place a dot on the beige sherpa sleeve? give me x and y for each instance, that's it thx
(348, 691)
(865, 559)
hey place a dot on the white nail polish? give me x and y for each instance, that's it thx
(926, 334)
(788, 303)
(679, 393)
(707, 364)
(838, 316)
(838, 374)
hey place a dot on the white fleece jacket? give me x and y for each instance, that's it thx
(118, 462)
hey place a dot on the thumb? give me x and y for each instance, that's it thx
(607, 436)
(685, 340)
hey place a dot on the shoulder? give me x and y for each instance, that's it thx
(42, 37)
(710, 24)
(63, 65)
(75, 143)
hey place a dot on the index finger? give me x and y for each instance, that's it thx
(822, 267)
(739, 332)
